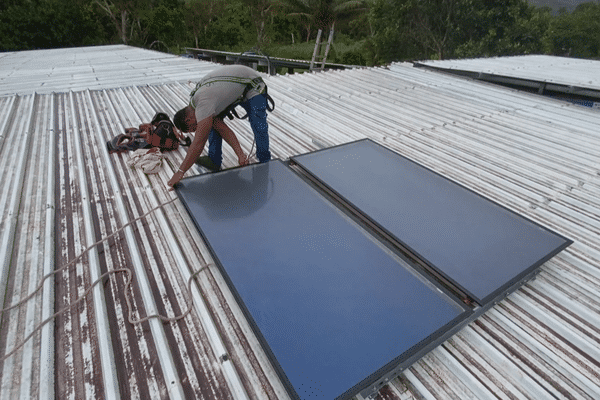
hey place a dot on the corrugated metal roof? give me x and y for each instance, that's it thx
(63, 192)
(100, 67)
(541, 68)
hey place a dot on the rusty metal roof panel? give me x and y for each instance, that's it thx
(27, 245)
(63, 192)
(97, 351)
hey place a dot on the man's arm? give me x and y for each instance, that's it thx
(202, 131)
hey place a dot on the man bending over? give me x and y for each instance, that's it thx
(214, 96)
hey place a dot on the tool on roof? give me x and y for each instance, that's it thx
(159, 133)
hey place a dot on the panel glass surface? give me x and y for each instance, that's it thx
(474, 242)
(332, 307)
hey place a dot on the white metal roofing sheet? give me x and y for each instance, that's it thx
(100, 67)
(566, 71)
(63, 192)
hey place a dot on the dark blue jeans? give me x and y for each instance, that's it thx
(256, 108)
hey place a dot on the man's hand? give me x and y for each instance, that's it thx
(194, 151)
(176, 178)
(228, 135)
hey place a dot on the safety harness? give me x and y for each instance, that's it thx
(163, 135)
(158, 133)
(250, 83)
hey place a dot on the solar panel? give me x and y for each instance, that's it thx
(477, 244)
(333, 308)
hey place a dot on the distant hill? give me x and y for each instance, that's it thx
(556, 5)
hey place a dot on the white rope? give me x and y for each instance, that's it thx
(89, 289)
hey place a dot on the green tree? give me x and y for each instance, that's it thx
(232, 29)
(199, 15)
(163, 26)
(411, 29)
(41, 24)
(301, 10)
(391, 39)
(576, 34)
(282, 28)
(435, 24)
(501, 28)
(324, 14)
(261, 11)
(125, 16)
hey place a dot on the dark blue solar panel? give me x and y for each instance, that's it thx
(333, 308)
(479, 245)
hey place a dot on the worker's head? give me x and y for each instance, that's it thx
(185, 119)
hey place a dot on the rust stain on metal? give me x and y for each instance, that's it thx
(386, 393)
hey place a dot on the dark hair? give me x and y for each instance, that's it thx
(180, 120)
(159, 116)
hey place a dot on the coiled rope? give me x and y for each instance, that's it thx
(100, 279)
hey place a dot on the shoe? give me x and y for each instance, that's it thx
(207, 163)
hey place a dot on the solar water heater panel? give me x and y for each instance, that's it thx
(477, 244)
(332, 307)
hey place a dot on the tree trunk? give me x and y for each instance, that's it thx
(261, 34)
(124, 26)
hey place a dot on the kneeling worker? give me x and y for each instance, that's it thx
(215, 96)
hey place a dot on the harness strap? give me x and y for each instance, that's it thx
(251, 83)
(257, 84)
(271, 106)
(230, 111)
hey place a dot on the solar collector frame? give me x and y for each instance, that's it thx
(318, 188)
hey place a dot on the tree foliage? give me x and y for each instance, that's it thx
(501, 28)
(199, 15)
(576, 34)
(126, 17)
(162, 26)
(41, 24)
(387, 30)
(261, 11)
(324, 14)
(423, 29)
